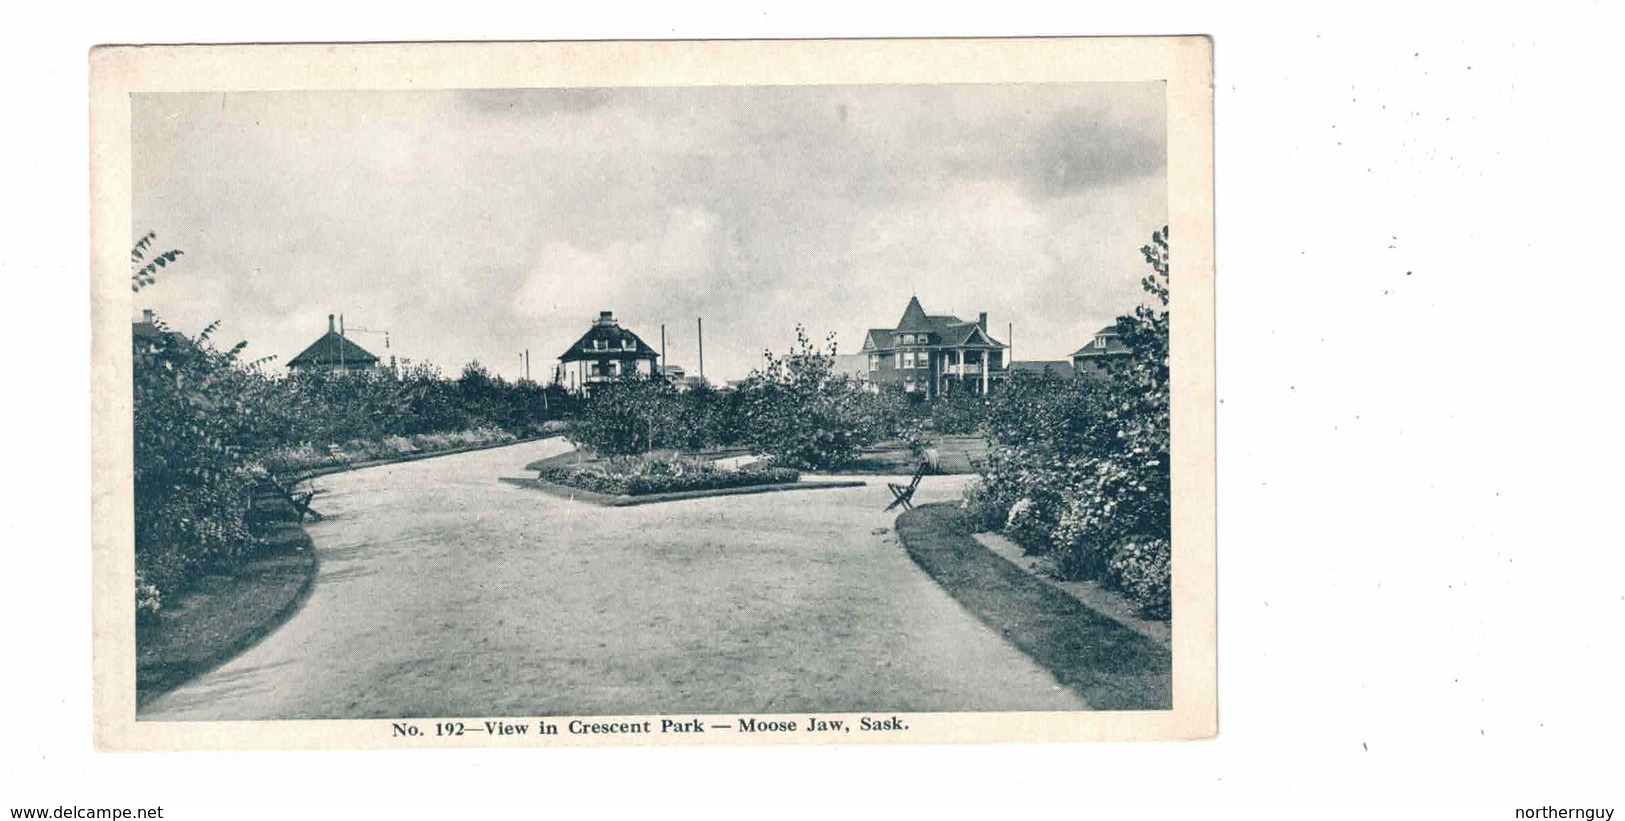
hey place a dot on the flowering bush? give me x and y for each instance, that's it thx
(148, 601)
(1141, 568)
(641, 475)
(1080, 468)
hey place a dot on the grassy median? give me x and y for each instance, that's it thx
(1110, 666)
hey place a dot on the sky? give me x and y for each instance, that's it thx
(474, 224)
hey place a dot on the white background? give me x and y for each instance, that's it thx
(1421, 583)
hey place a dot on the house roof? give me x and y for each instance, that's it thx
(1058, 367)
(914, 319)
(325, 351)
(1114, 344)
(946, 329)
(613, 335)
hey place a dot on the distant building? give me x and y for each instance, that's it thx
(855, 365)
(147, 328)
(333, 352)
(605, 352)
(1091, 359)
(1055, 367)
(934, 354)
(678, 376)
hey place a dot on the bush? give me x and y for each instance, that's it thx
(1080, 468)
(1141, 568)
(642, 475)
(958, 413)
(798, 410)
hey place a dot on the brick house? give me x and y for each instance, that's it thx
(935, 355)
(606, 351)
(1091, 359)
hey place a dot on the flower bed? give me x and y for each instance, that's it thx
(309, 457)
(642, 475)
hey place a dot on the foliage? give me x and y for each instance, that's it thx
(1142, 568)
(1080, 468)
(798, 409)
(625, 416)
(958, 412)
(144, 271)
(640, 475)
(196, 428)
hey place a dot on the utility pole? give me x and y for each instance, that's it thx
(662, 350)
(341, 342)
(1010, 345)
(701, 323)
(527, 364)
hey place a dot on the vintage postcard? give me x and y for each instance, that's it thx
(655, 393)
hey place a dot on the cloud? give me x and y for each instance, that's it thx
(475, 224)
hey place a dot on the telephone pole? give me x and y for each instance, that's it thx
(701, 323)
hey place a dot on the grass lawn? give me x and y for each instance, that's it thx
(225, 614)
(1110, 666)
(956, 452)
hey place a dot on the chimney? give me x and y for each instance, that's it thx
(146, 315)
(981, 320)
(330, 327)
(606, 317)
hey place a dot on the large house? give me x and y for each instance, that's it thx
(935, 355)
(332, 351)
(606, 351)
(1091, 359)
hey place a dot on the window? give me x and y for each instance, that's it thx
(874, 362)
(626, 344)
(1100, 342)
(908, 359)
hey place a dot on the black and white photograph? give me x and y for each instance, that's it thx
(768, 411)
(1162, 410)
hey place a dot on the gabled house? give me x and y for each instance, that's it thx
(332, 351)
(605, 352)
(1091, 359)
(934, 355)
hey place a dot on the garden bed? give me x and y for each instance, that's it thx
(658, 477)
(389, 452)
(1110, 666)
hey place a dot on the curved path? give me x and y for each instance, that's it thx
(443, 592)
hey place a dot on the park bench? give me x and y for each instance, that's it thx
(904, 494)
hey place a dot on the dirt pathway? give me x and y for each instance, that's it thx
(443, 592)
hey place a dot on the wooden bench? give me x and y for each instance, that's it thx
(904, 494)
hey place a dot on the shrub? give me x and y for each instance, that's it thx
(1141, 568)
(958, 413)
(1080, 468)
(797, 409)
(625, 416)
